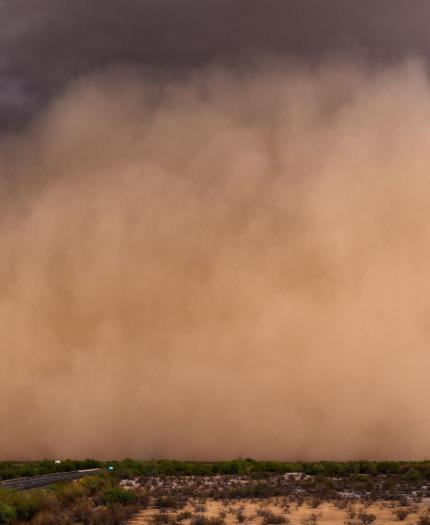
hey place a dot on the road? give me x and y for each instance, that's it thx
(47, 479)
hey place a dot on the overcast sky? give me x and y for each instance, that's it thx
(46, 43)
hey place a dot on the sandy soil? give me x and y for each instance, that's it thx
(326, 513)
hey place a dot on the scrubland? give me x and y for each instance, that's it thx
(149, 493)
(277, 511)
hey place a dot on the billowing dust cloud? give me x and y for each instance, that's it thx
(219, 266)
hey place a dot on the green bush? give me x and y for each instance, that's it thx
(7, 513)
(93, 484)
(122, 496)
(413, 475)
(68, 492)
(26, 504)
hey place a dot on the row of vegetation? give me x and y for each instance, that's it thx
(250, 467)
(131, 467)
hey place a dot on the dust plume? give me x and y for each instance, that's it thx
(228, 264)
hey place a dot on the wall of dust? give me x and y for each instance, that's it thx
(230, 264)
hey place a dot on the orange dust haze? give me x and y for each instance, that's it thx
(219, 266)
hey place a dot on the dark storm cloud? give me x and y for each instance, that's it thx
(46, 43)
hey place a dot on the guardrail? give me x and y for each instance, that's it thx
(34, 482)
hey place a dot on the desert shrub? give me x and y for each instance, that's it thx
(424, 518)
(401, 514)
(215, 521)
(167, 502)
(160, 518)
(270, 518)
(240, 516)
(26, 504)
(91, 485)
(68, 492)
(203, 520)
(52, 517)
(143, 498)
(82, 511)
(310, 520)
(366, 518)
(351, 512)
(34, 502)
(116, 495)
(7, 513)
(184, 515)
(113, 515)
(413, 475)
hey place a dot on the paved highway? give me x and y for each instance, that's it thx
(47, 479)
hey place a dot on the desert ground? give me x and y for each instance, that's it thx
(259, 512)
(293, 498)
